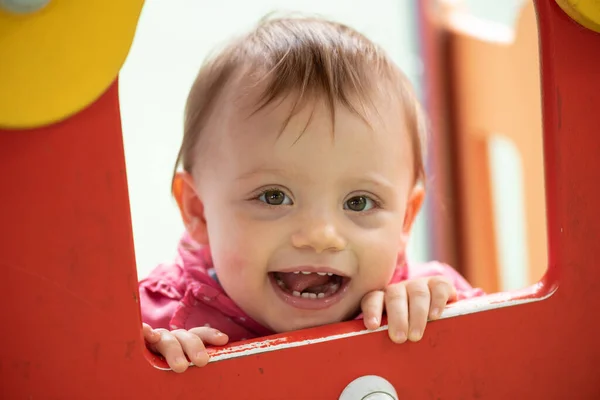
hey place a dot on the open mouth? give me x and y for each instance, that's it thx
(306, 289)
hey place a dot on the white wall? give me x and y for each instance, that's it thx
(172, 40)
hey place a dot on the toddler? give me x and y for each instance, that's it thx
(302, 175)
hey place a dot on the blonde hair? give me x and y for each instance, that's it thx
(310, 57)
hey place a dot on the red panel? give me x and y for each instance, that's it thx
(71, 321)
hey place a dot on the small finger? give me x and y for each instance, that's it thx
(419, 300)
(441, 292)
(210, 335)
(396, 305)
(192, 346)
(171, 350)
(150, 335)
(372, 308)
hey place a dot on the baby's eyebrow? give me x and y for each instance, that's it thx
(357, 182)
(374, 179)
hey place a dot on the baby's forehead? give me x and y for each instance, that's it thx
(252, 95)
(308, 150)
(286, 122)
(250, 114)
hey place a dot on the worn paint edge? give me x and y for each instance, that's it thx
(492, 302)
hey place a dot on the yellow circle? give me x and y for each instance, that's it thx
(60, 59)
(585, 12)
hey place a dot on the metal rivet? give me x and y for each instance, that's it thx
(369, 387)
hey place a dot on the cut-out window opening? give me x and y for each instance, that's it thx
(491, 157)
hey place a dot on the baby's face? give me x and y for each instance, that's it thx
(303, 223)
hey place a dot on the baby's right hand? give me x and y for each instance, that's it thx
(175, 345)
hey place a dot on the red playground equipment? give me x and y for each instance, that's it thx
(71, 318)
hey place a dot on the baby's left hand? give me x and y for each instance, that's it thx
(408, 305)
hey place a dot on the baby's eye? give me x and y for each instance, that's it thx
(275, 198)
(359, 204)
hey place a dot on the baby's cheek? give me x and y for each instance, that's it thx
(241, 248)
(232, 271)
(378, 266)
(233, 262)
(242, 261)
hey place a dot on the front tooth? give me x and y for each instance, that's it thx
(322, 273)
(329, 273)
(321, 295)
(296, 272)
(296, 293)
(306, 295)
(305, 273)
(312, 295)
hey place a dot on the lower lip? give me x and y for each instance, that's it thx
(309, 304)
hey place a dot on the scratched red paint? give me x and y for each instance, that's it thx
(72, 324)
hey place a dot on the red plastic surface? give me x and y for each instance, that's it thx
(71, 324)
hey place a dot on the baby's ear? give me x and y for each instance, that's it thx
(413, 206)
(190, 207)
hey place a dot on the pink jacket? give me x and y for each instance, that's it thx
(185, 293)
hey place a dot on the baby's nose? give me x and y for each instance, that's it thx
(320, 236)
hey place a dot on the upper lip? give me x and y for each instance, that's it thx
(312, 268)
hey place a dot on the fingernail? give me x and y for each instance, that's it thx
(435, 313)
(374, 321)
(415, 335)
(400, 336)
(180, 360)
(200, 354)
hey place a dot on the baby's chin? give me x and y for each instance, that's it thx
(296, 323)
